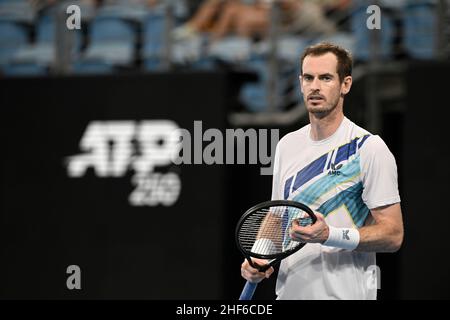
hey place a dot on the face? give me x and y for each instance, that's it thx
(320, 84)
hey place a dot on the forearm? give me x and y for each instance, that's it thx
(379, 238)
(384, 234)
(270, 229)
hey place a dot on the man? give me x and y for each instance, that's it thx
(344, 173)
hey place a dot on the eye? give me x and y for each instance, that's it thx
(307, 78)
(326, 78)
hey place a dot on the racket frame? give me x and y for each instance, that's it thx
(273, 257)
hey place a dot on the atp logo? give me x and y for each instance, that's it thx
(334, 171)
(112, 148)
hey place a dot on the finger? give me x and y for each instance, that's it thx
(269, 272)
(297, 230)
(295, 226)
(259, 263)
(301, 234)
(253, 277)
(248, 268)
(295, 236)
(307, 230)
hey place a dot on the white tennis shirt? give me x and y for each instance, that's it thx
(341, 177)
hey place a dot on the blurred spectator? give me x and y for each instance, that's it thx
(339, 12)
(252, 18)
(149, 3)
(303, 16)
(221, 17)
(40, 6)
(192, 6)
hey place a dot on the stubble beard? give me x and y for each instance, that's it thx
(322, 111)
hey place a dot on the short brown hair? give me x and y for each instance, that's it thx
(344, 58)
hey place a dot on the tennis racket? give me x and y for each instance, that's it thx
(263, 232)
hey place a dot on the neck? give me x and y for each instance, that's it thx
(323, 127)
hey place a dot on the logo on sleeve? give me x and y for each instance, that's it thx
(345, 235)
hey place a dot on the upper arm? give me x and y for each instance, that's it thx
(380, 194)
(390, 215)
(378, 174)
(390, 219)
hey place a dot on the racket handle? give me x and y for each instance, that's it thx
(248, 291)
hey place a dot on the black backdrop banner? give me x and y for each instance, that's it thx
(88, 189)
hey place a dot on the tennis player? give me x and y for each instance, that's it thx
(348, 177)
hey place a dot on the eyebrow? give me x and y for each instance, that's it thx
(320, 75)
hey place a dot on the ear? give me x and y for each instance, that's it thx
(346, 85)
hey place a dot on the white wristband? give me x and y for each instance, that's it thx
(345, 238)
(264, 246)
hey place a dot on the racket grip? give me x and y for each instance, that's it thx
(248, 291)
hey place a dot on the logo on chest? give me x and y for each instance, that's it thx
(334, 171)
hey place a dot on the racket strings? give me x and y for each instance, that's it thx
(266, 231)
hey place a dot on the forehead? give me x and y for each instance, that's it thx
(326, 63)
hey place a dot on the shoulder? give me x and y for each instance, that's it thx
(354, 129)
(295, 137)
(375, 152)
(369, 143)
(374, 145)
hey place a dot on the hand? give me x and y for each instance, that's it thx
(254, 275)
(316, 233)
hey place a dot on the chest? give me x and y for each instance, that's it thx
(320, 170)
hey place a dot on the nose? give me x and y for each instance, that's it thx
(315, 84)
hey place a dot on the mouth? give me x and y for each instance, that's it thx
(315, 99)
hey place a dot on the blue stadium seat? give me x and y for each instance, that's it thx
(42, 52)
(183, 52)
(92, 67)
(420, 34)
(17, 11)
(290, 47)
(45, 29)
(124, 10)
(13, 37)
(111, 29)
(112, 41)
(254, 95)
(115, 53)
(153, 64)
(153, 39)
(232, 49)
(25, 69)
(203, 63)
